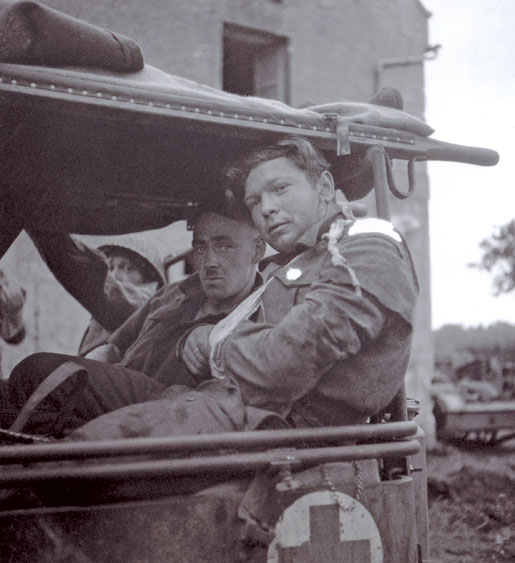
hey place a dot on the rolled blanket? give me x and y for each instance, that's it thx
(31, 33)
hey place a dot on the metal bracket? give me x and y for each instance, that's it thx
(342, 129)
(284, 466)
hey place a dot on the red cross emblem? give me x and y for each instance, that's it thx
(318, 527)
(324, 543)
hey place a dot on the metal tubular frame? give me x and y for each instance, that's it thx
(244, 441)
(378, 157)
(233, 463)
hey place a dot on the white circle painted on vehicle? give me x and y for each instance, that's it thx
(310, 524)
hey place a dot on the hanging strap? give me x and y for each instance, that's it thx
(49, 384)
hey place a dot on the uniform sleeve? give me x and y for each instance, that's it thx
(128, 332)
(84, 273)
(284, 362)
(277, 365)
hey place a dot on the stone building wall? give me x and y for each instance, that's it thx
(336, 49)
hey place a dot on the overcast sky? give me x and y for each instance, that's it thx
(470, 99)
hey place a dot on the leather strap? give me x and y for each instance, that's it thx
(49, 384)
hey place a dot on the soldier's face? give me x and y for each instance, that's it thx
(283, 202)
(124, 270)
(225, 252)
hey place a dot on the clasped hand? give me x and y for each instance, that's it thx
(197, 349)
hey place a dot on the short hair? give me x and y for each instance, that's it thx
(298, 150)
(222, 203)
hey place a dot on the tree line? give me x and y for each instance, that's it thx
(456, 344)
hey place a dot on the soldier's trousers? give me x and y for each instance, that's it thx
(122, 403)
(109, 387)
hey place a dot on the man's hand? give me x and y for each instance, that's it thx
(197, 349)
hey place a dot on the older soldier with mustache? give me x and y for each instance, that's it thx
(144, 356)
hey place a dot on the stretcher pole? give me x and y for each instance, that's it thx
(378, 158)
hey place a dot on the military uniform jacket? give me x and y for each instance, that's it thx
(328, 346)
(150, 339)
(331, 342)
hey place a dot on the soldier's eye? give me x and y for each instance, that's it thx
(224, 247)
(199, 249)
(252, 202)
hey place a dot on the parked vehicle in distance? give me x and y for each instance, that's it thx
(472, 411)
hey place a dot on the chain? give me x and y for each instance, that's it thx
(332, 488)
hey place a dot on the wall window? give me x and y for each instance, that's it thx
(255, 63)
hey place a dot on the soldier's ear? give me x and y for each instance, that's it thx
(259, 250)
(326, 186)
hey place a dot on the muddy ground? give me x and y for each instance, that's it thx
(472, 503)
